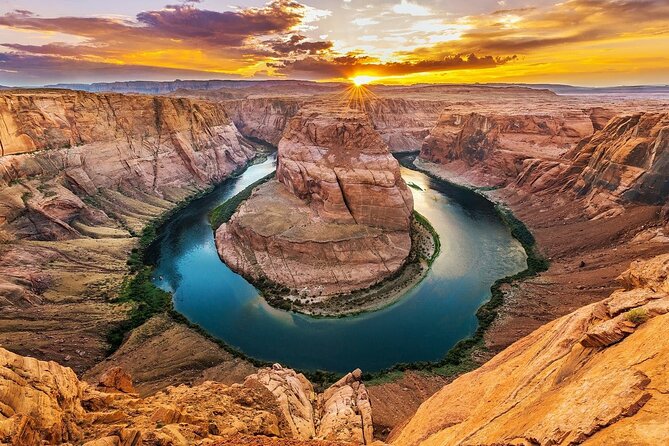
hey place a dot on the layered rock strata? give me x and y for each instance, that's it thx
(336, 218)
(595, 376)
(498, 144)
(82, 173)
(45, 402)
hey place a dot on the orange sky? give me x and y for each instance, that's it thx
(581, 42)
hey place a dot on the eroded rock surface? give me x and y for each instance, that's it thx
(43, 401)
(82, 173)
(627, 161)
(337, 217)
(587, 377)
(498, 144)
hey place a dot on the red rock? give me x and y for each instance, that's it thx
(338, 217)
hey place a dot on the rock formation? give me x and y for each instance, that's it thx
(627, 161)
(498, 144)
(43, 401)
(263, 118)
(336, 218)
(86, 144)
(596, 376)
(80, 173)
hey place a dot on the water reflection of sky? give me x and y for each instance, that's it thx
(476, 250)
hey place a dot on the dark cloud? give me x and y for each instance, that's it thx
(27, 70)
(229, 28)
(182, 26)
(348, 66)
(297, 44)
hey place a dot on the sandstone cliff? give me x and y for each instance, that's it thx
(498, 144)
(596, 376)
(78, 144)
(336, 219)
(43, 401)
(82, 173)
(629, 159)
(263, 118)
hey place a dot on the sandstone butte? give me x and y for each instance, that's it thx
(337, 216)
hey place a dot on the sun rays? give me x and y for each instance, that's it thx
(357, 95)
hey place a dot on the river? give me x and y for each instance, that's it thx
(477, 249)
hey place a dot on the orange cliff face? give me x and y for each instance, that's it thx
(596, 376)
(82, 173)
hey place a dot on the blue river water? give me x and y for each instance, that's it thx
(477, 249)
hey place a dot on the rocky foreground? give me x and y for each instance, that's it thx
(45, 402)
(336, 218)
(595, 376)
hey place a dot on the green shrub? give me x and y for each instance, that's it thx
(637, 316)
(222, 213)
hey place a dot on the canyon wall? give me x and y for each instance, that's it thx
(336, 218)
(596, 376)
(263, 118)
(629, 159)
(81, 174)
(70, 145)
(493, 147)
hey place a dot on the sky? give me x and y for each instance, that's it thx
(578, 42)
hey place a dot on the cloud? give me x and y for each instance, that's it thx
(296, 44)
(22, 69)
(351, 65)
(294, 39)
(413, 9)
(573, 21)
(365, 21)
(178, 36)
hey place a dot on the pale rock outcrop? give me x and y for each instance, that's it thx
(345, 411)
(587, 377)
(295, 396)
(43, 401)
(337, 217)
(38, 400)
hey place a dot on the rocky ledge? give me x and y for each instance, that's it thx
(595, 376)
(337, 217)
(45, 403)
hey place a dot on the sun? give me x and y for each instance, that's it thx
(359, 81)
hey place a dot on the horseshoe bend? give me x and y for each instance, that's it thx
(371, 225)
(336, 219)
